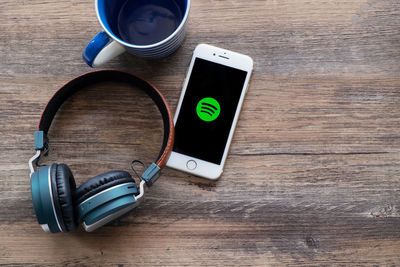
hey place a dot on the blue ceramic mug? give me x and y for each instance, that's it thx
(144, 28)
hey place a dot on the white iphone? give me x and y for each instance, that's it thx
(208, 110)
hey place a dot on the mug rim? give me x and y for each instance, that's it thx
(122, 42)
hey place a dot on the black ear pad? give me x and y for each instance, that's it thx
(100, 183)
(63, 185)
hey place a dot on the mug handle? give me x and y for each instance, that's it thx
(101, 49)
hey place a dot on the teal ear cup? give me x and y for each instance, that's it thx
(52, 188)
(104, 198)
(43, 200)
(103, 207)
(106, 205)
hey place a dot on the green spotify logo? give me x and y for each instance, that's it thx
(208, 109)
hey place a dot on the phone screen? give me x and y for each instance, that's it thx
(208, 110)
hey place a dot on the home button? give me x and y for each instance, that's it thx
(191, 165)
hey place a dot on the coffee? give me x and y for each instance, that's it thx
(144, 22)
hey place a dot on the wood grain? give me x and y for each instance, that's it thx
(312, 178)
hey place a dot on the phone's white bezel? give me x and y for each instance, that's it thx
(228, 58)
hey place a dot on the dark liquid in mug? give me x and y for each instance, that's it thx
(144, 22)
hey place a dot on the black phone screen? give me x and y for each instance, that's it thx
(208, 109)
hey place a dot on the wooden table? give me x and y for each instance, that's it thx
(313, 175)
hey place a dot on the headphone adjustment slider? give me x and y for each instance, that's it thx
(41, 144)
(41, 141)
(151, 174)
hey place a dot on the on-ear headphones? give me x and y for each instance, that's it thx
(58, 204)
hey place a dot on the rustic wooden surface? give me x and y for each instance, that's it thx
(313, 176)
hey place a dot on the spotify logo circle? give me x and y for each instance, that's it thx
(208, 109)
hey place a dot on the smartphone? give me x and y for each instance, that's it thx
(208, 110)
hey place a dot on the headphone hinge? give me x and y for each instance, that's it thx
(35, 160)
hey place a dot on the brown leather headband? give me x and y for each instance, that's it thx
(95, 77)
